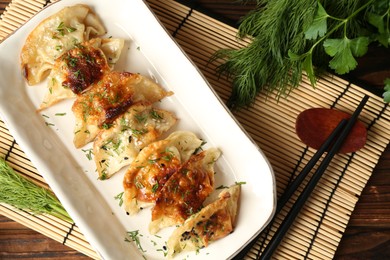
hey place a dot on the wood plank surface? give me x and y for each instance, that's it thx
(367, 235)
(18, 241)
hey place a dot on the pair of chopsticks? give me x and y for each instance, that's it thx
(332, 144)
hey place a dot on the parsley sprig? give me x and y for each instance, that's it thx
(292, 38)
(386, 95)
(342, 50)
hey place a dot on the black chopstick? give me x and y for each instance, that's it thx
(300, 177)
(292, 187)
(298, 180)
(289, 219)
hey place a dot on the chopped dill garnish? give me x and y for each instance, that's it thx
(163, 250)
(88, 153)
(221, 187)
(155, 115)
(200, 148)
(155, 187)
(60, 114)
(133, 236)
(62, 28)
(120, 198)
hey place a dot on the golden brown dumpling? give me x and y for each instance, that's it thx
(213, 222)
(117, 146)
(185, 191)
(54, 36)
(109, 98)
(78, 68)
(153, 166)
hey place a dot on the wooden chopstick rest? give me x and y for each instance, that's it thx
(314, 125)
(294, 211)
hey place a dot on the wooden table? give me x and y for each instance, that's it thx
(367, 235)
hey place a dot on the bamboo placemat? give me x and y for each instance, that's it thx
(318, 229)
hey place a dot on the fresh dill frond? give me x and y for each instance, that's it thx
(274, 28)
(291, 38)
(22, 193)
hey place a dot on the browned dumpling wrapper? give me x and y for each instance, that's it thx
(117, 146)
(153, 166)
(54, 36)
(213, 222)
(106, 100)
(185, 191)
(78, 68)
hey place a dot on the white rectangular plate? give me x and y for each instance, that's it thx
(149, 50)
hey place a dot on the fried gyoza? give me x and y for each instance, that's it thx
(54, 36)
(109, 98)
(153, 167)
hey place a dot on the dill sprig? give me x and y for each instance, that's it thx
(289, 38)
(274, 28)
(22, 193)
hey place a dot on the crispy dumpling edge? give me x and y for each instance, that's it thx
(90, 18)
(231, 204)
(174, 139)
(86, 132)
(212, 154)
(169, 119)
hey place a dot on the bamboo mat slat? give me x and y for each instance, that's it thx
(318, 229)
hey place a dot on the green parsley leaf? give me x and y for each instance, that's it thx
(332, 46)
(319, 26)
(384, 38)
(377, 21)
(285, 41)
(340, 49)
(307, 66)
(359, 46)
(386, 94)
(381, 23)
